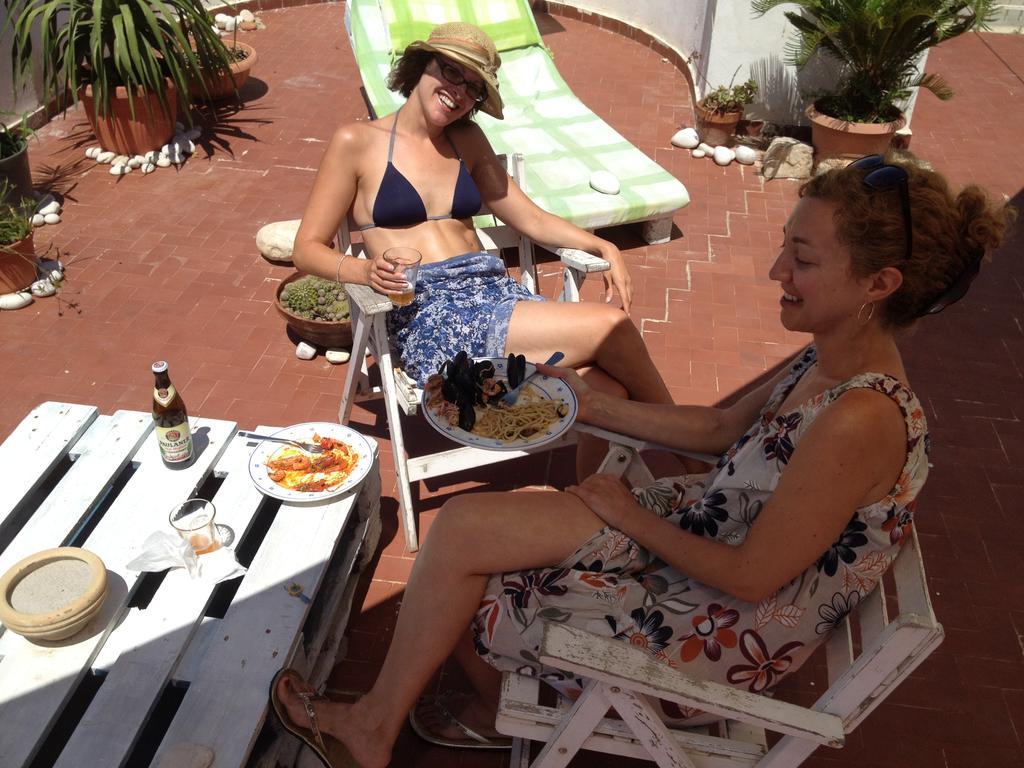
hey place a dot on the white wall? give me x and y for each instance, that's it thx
(722, 38)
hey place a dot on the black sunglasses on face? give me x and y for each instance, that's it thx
(476, 91)
(881, 175)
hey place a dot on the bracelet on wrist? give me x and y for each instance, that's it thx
(337, 275)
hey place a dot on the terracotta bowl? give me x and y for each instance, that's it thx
(52, 594)
(326, 333)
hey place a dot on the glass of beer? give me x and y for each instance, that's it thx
(193, 520)
(406, 262)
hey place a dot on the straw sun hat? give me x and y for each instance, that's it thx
(472, 48)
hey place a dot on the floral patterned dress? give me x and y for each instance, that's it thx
(614, 587)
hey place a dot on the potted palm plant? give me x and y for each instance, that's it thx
(14, 167)
(128, 61)
(877, 45)
(721, 110)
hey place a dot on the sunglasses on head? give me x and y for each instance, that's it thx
(476, 91)
(881, 175)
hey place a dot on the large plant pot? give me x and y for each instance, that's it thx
(222, 86)
(834, 138)
(16, 170)
(716, 129)
(17, 269)
(119, 131)
(326, 333)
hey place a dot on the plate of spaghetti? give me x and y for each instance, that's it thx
(464, 403)
(287, 472)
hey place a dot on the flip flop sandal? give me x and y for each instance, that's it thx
(472, 740)
(311, 736)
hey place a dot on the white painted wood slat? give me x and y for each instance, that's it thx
(34, 448)
(35, 682)
(150, 642)
(257, 636)
(102, 453)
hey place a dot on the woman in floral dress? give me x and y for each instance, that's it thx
(734, 576)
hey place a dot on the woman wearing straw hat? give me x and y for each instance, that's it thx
(415, 178)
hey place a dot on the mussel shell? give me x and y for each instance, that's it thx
(483, 369)
(467, 416)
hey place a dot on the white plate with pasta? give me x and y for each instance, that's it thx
(545, 410)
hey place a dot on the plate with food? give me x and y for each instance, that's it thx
(288, 471)
(464, 403)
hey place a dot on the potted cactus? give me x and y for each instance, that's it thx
(316, 309)
(878, 46)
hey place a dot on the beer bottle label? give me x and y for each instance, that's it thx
(164, 396)
(175, 442)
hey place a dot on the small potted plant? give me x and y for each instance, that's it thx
(222, 84)
(14, 167)
(128, 61)
(878, 47)
(18, 265)
(316, 309)
(721, 110)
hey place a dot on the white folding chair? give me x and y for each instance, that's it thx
(624, 678)
(401, 394)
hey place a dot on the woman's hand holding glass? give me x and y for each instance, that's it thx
(382, 278)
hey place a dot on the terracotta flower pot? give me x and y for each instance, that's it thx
(148, 130)
(326, 333)
(221, 86)
(18, 269)
(834, 138)
(716, 128)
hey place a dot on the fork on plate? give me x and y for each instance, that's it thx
(307, 447)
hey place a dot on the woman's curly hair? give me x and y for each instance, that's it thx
(951, 232)
(407, 71)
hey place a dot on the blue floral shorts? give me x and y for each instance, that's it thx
(464, 302)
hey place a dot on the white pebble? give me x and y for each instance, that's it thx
(56, 276)
(152, 156)
(42, 288)
(91, 152)
(305, 351)
(338, 356)
(15, 300)
(38, 220)
(707, 149)
(746, 155)
(698, 153)
(246, 15)
(136, 161)
(229, 24)
(604, 182)
(52, 218)
(687, 138)
(163, 161)
(120, 160)
(51, 207)
(147, 168)
(723, 155)
(105, 157)
(119, 169)
(221, 17)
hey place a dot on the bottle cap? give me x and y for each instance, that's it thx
(159, 366)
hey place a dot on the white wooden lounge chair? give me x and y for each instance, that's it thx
(622, 677)
(401, 394)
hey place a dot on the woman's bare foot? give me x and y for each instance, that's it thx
(351, 724)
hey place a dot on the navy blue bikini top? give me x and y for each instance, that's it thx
(398, 204)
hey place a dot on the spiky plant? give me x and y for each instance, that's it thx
(877, 44)
(110, 43)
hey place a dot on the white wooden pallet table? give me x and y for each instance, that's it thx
(169, 660)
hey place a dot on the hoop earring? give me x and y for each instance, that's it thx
(871, 313)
